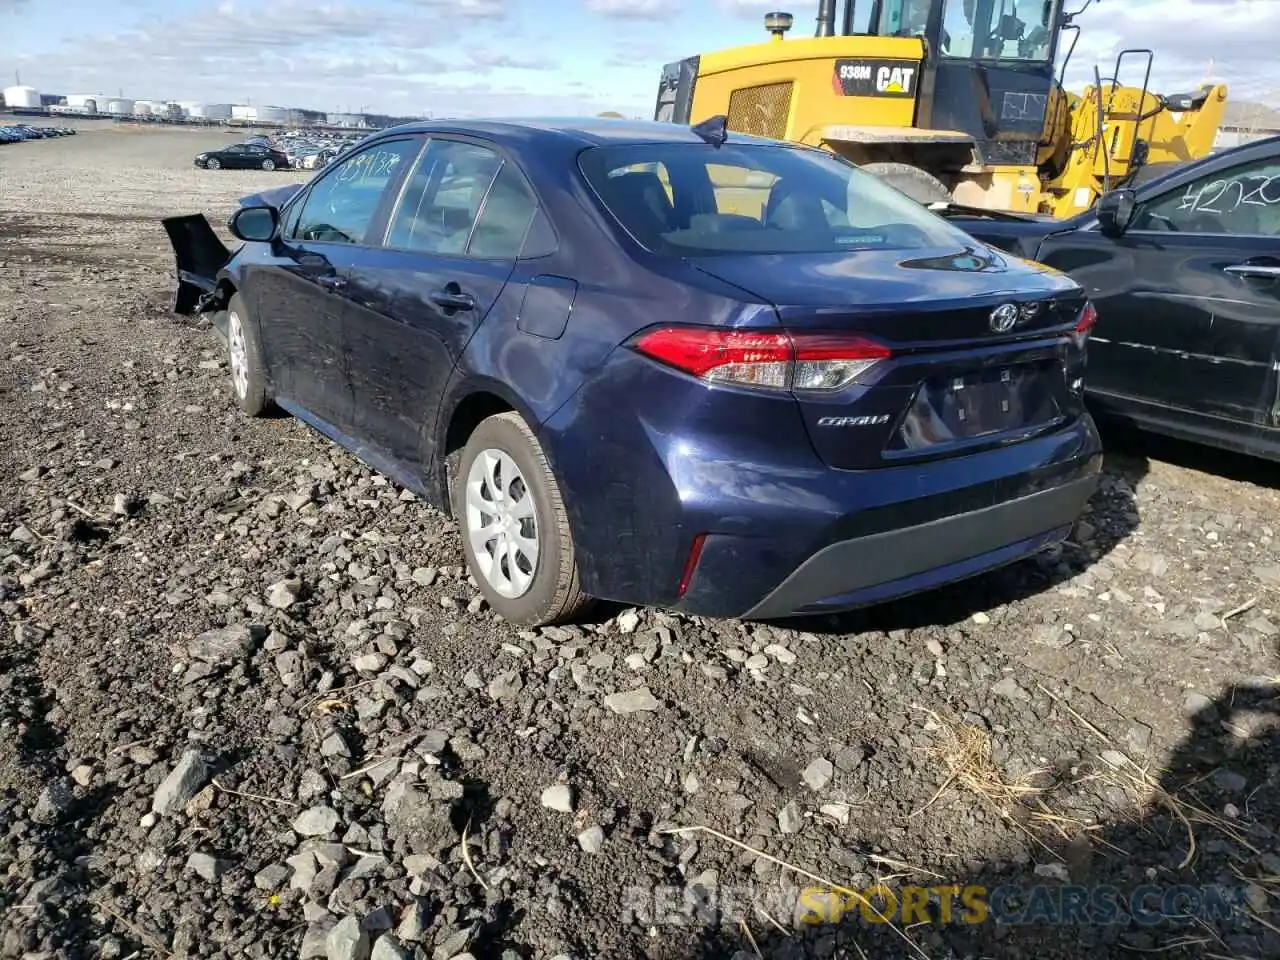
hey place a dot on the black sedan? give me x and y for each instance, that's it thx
(243, 156)
(1185, 274)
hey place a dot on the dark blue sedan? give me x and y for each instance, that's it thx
(641, 362)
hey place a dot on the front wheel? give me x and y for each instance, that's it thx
(244, 357)
(515, 531)
(212, 163)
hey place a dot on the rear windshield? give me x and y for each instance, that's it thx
(690, 199)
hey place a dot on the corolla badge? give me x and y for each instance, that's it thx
(1004, 317)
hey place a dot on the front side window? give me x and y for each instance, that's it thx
(1243, 201)
(756, 199)
(341, 206)
(999, 29)
(442, 198)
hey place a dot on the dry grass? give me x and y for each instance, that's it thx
(964, 751)
(1119, 770)
(912, 947)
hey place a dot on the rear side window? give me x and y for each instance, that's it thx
(504, 222)
(342, 205)
(691, 199)
(442, 199)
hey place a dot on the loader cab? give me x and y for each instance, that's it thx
(988, 70)
(987, 67)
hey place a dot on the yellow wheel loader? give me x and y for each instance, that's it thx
(951, 101)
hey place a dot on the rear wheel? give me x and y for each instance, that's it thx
(515, 531)
(919, 185)
(244, 358)
(268, 164)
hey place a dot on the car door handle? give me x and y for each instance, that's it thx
(332, 281)
(1254, 270)
(452, 298)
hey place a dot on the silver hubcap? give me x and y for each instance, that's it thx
(502, 523)
(239, 356)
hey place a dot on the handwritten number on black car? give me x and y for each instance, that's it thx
(1228, 195)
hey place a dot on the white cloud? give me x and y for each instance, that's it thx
(634, 9)
(1193, 40)
(297, 53)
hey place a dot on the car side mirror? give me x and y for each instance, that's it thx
(1115, 212)
(254, 223)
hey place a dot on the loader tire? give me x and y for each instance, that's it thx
(920, 185)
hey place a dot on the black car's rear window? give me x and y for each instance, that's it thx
(691, 199)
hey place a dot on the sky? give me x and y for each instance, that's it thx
(494, 57)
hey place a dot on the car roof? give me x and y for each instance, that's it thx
(586, 131)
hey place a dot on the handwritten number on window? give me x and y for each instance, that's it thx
(1227, 196)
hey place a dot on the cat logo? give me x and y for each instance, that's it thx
(876, 78)
(895, 79)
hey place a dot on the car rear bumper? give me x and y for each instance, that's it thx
(866, 570)
(730, 500)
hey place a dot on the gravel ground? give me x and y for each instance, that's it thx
(251, 704)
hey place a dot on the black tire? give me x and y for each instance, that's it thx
(920, 185)
(212, 164)
(255, 399)
(268, 165)
(554, 595)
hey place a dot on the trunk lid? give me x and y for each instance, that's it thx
(956, 380)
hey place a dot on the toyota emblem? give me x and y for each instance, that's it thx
(1004, 317)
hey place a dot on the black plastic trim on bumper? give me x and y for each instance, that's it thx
(851, 565)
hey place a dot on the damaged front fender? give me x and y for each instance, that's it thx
(199, 256)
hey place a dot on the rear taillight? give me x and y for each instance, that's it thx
(778, 361)
(1085, 325)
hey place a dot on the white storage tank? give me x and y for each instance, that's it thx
(119, 107)
(25, 97)
(273, 114)
(343, 119)
(142, 109)
(89, 101)
(242, 111)
(207, 111)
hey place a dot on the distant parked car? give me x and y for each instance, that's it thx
(322, 159)
(1185, 273)
(243, 156)
(17, 132)
(740, 378)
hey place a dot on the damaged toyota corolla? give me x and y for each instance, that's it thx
(661, 365)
